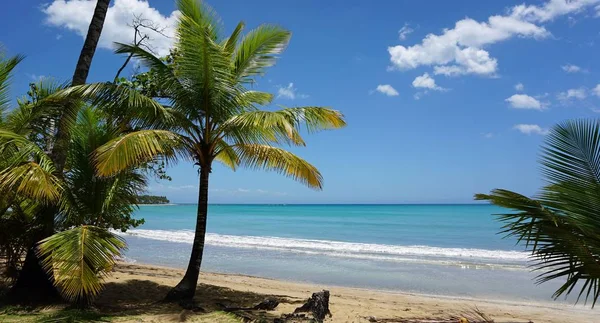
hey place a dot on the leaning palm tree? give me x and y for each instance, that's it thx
(561, 227)
(212, 115)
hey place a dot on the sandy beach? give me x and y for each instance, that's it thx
(134, 284)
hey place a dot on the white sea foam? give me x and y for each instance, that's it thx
(457, 256)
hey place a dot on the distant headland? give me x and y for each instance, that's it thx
(152, 199)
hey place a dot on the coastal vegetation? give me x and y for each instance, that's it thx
(77, 156)
(152, 199)
(211, 114)
(561, 227)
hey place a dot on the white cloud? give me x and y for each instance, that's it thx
(529, 129)
(524, 101)
(58, 36)
(75, 15)
(519, 87)
(578, 94)
(459, 50)
(386, 89)
(596, 90)
(570, 68)
(488, 135)
(426, 82)
(551, 9)
(404, 32)
(289, 92)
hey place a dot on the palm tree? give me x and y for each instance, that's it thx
(212, 116)
(32, 277)
(561, 227)
(83, 251)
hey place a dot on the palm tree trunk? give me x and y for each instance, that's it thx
(34, 284)
(186, 288)
(91, 41)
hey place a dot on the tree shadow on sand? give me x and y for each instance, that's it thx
(144, 297)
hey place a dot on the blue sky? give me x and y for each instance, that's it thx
(443, 99)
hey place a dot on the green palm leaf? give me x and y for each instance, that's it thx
(136, 148)
(264, 157)
(31, 180)
(6, 68)
(122, 101)
(80, 259)
(258, 50)
(562, 227)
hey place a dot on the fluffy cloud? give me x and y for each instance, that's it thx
(426, 82)
(75, 15)
(386, 89)
(459, 50)
(519, 87)
(596, 90)
(570, 68)
(404, 32)
(289, 92)
(578, 94)
(524, 101)
(529, 129)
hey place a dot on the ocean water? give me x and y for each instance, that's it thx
(448, 250)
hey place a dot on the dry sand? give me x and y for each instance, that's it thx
(134, 286)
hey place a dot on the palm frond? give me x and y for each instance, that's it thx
(270, 158)
(571, 165)
(136, 148)
(38, 113)
(314, 118)
(80, 259)
(202, 63)
(258, 50)
(162, 72)
(6, 68)
(120, 100)
(226, 155)
(230, 43)
(562, 227)
(31, 180)
(281, 126)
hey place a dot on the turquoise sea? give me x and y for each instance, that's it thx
(451, 250)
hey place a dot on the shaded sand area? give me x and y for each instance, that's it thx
(133, 294)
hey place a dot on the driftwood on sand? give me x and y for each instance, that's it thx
(317, 305)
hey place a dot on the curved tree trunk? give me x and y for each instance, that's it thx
(34, 284)
(186, 288)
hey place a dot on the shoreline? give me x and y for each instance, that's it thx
(350, 304)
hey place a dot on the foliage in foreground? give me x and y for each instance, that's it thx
(561, 227)
(82, 251)
(80, 258)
